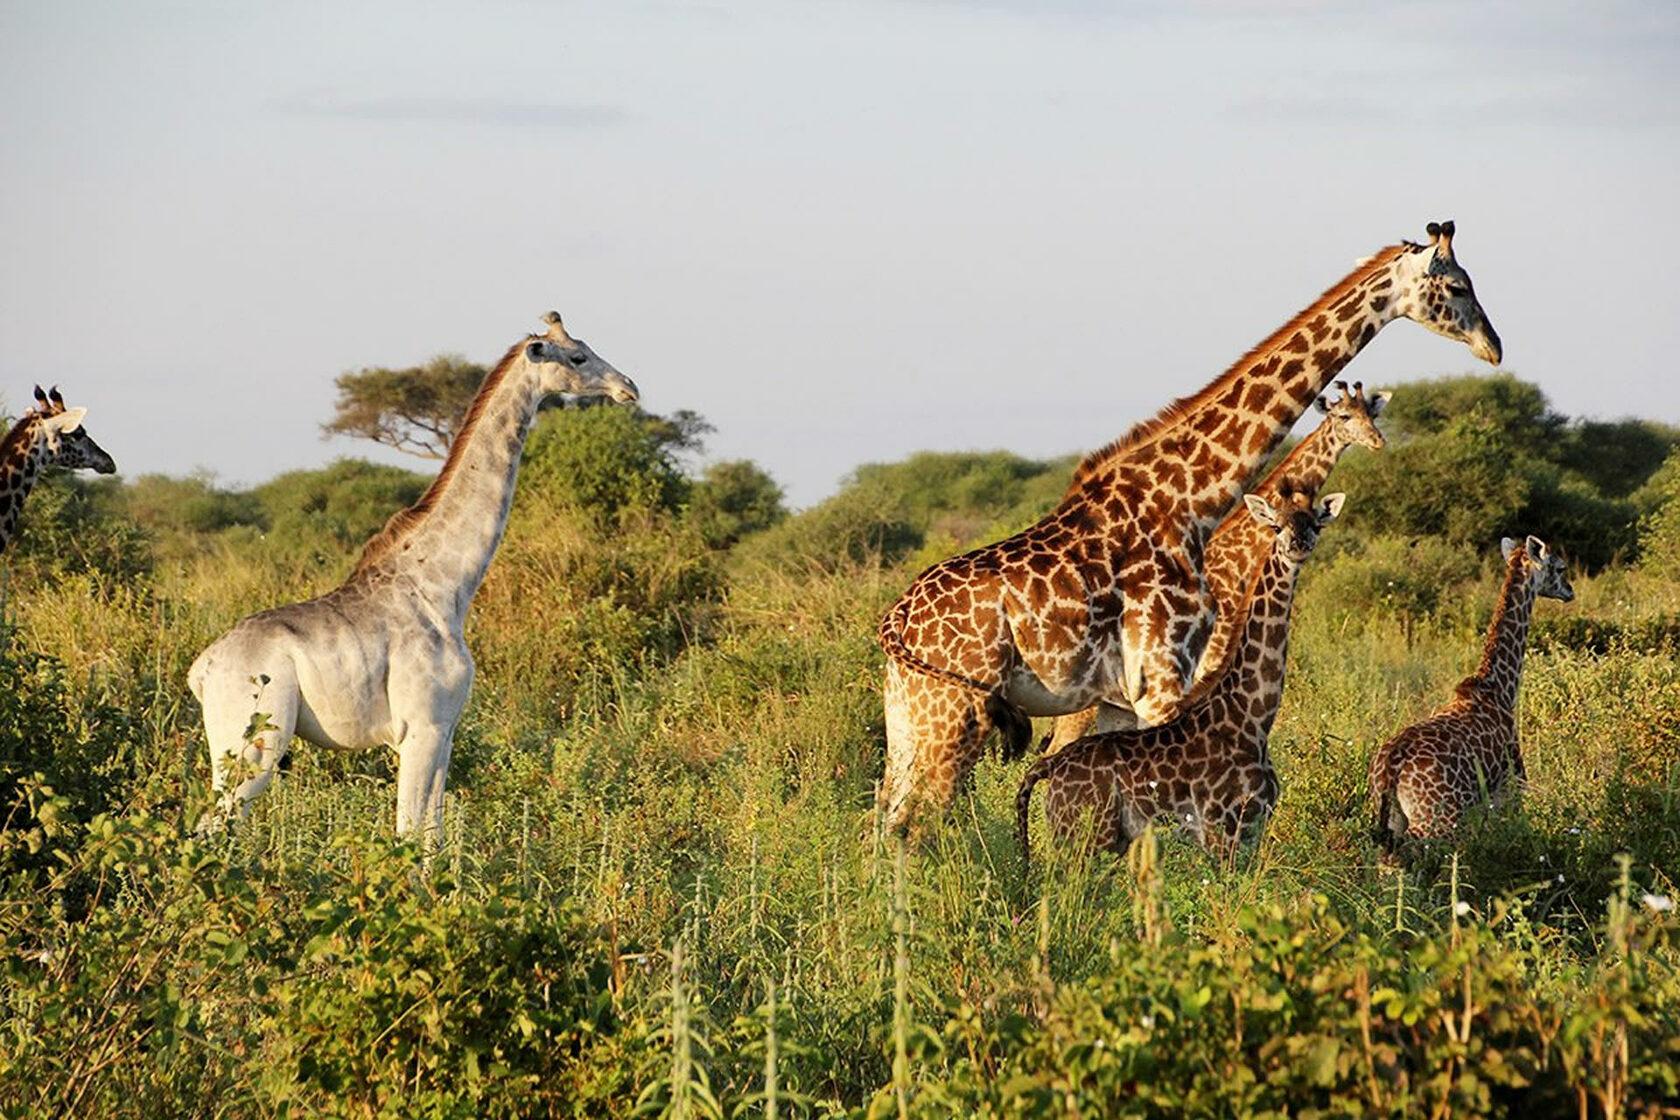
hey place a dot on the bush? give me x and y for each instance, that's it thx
(325, 516)
(1659, 531)
(73, 525)
(734, 499)
(1406, 581)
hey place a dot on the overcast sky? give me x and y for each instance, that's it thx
(842, 232)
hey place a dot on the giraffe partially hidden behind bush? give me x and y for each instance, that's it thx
(1209, 768)
(48, 435)
(382, 659)
(1104, 600)
(1425, 778)
(1241, 544)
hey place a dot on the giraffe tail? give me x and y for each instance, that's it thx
(1023, 801)
(1382, 833)
(1012, 723)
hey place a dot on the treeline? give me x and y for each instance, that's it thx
(1470, 459)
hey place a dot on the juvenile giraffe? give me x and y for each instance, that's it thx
(1427, 776)
(382, 659)
(1241, 544)
(1104, 600)
(1209, 767)
(48, 435)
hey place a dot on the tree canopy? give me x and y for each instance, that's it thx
(417, 410)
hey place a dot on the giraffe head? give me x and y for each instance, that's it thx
(568, 365)
(1354, 415)
(1547, 570)
(1297, 519)
(66, 443)
(1436, 292)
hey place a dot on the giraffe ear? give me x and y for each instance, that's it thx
(1320, 404)
(1261, 509)
(1506, 547)
(1331, 508)
(1536, 549)
(1376, 402)
(68, 420)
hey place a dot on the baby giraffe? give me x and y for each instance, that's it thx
(1429, 774)
(1210, 767)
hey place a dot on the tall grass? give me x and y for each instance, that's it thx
(665, 891)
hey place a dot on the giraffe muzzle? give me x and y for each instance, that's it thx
(621, 389)
(1485, 344)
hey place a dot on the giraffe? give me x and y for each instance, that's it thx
(48, 435)
(382, 658)
(1209, 767)
(1104, 599)
(1241, 544)
(1428, 775)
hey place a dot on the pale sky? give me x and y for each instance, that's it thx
(842, 232)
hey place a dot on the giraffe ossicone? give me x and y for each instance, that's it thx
(1105, 601)
(1210, 768)
(1430, 774)
(382, 659)
(48, 435)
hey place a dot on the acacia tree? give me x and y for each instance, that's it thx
(416, 410)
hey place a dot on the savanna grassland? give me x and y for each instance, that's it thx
(661, 889)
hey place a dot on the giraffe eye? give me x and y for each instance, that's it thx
(1457, 291)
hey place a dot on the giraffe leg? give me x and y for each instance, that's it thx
(422, 771)
(1157, 685)
(1065, 729)
(935, 735)
(249, 722)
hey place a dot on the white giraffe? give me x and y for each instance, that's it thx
(382, 658)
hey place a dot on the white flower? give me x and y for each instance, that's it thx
(1560, 878)
(1147, 1022)
(1660, 903)
(1461, 908)
(1542, 857)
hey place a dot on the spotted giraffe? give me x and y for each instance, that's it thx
(1241, 544)
(1209, 767)
(48, 435)
(1427, 776)
(1104, 600)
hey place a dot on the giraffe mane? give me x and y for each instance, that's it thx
(382, 543)
(1176, 411)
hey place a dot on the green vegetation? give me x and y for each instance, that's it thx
(660, 891)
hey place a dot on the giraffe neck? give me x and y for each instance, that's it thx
(22, 455)
(444, 542)
(1305, 468)
(1256, 674)
(1502, 655)
(1240, 542)
(1206, 446)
